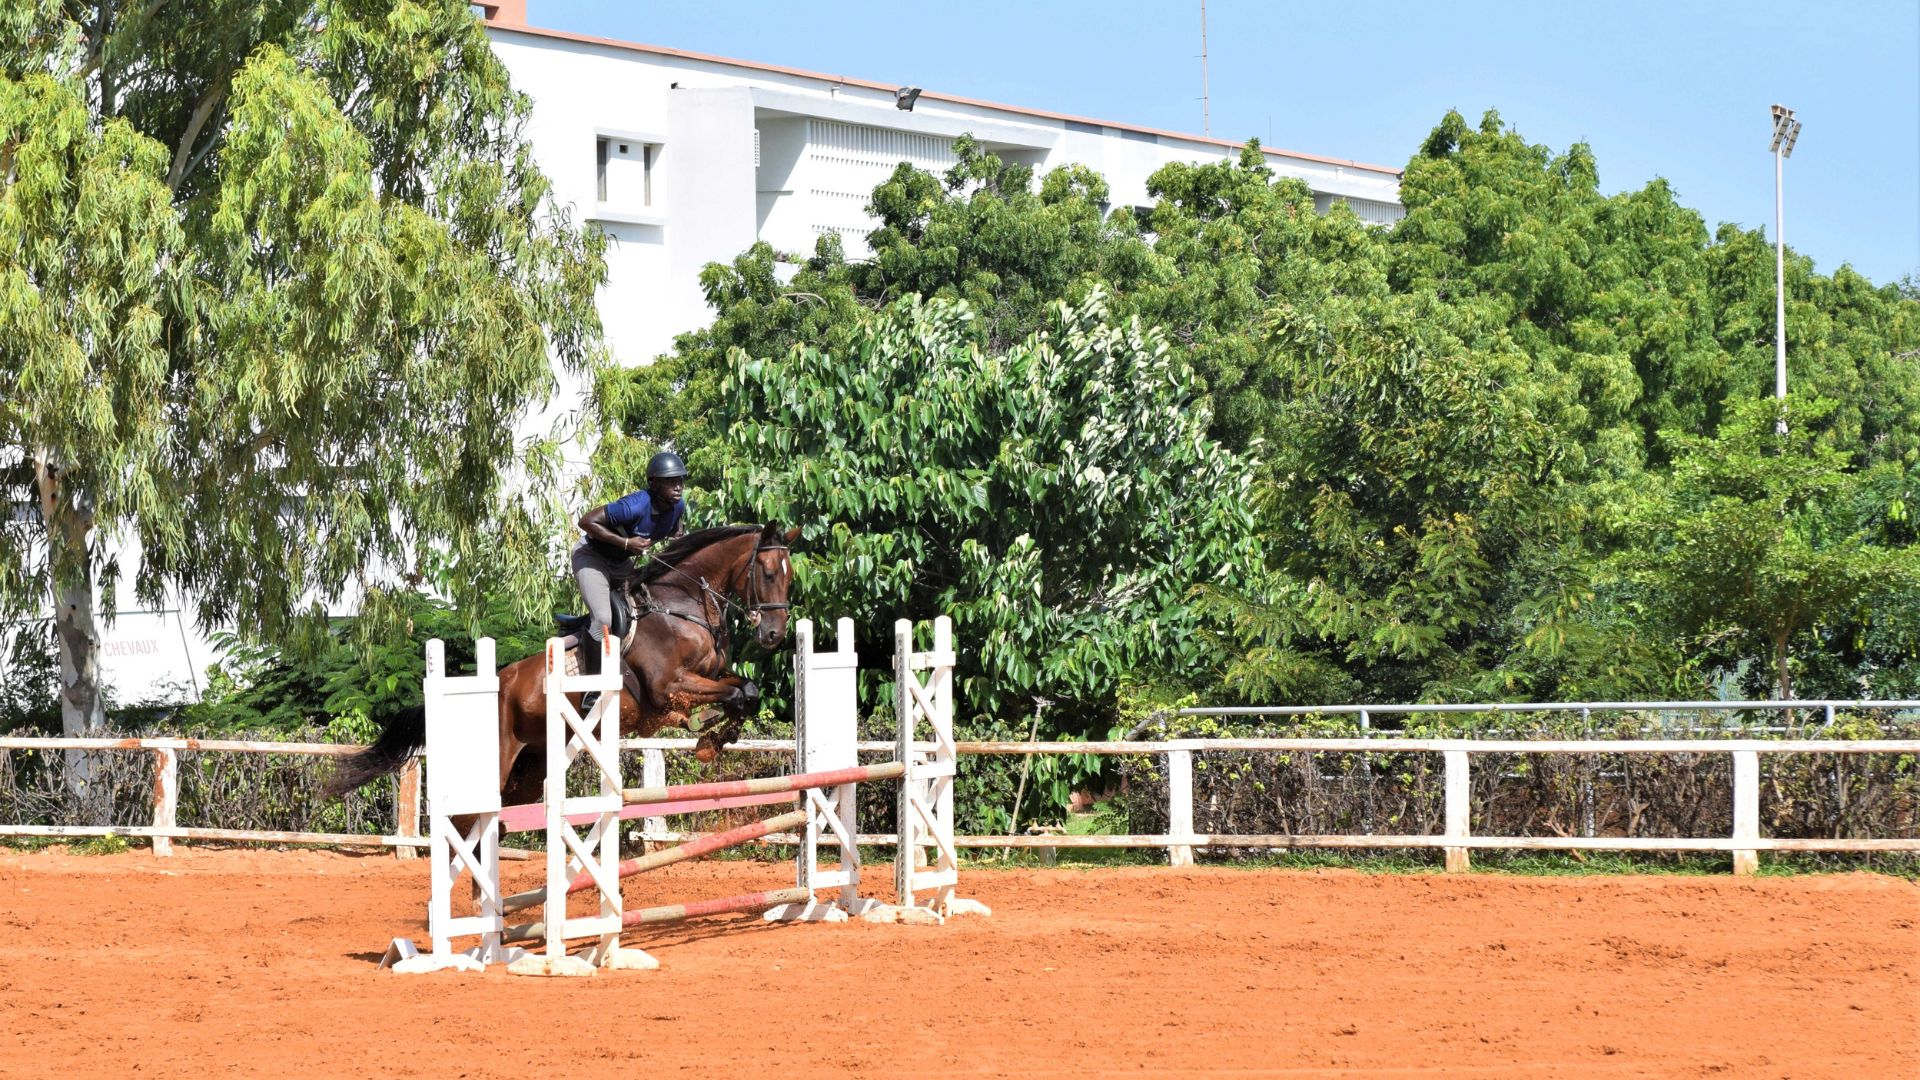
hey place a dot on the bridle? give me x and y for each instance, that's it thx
(744, 583)
(756, 609)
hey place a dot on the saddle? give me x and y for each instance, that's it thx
(621, 625)
(573, 628)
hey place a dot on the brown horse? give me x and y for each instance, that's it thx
(675, 658)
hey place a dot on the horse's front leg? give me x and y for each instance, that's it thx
(738, 696)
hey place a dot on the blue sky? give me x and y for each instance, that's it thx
(1678, 89)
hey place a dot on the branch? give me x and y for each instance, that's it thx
(98, 54)
(216, 93)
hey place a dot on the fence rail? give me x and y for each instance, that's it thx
(405, 839)
(1456, 840)
(1181, 840)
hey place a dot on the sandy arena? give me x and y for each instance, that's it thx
(259, 963)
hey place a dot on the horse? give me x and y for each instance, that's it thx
(675, 657)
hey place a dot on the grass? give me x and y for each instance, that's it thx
(110, 844)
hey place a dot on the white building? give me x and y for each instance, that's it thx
(685, 159)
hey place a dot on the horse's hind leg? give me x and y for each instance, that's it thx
(526, 781)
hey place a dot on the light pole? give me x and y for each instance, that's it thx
(1786, 131)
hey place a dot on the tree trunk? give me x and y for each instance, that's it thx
(82, 708)
(1780, 668)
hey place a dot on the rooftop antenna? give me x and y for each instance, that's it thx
(1206, 106)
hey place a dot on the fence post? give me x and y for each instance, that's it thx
(1366, 769)
(1456, 809)
(1746, 810)
(1589, 814)
(653, 773)
(166, 797)
(406, 807)
(1180, 805)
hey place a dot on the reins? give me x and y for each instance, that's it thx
(751, 613)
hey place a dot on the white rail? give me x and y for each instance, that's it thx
(405, 838)
(1181, 841)
(1457, 838)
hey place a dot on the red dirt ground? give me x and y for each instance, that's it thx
(259, 963)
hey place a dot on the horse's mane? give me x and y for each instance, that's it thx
(687, 547)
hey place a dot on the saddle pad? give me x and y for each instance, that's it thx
(572, 644)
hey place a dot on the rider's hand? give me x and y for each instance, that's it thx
(638, 543)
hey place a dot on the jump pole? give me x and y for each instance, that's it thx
(692, 849)
(671, 913)
(762, 785)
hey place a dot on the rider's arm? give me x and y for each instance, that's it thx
(594, 524)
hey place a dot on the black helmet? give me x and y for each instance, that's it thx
(666, 465)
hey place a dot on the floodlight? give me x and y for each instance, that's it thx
(904, 98)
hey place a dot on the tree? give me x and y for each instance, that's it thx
(279, 282)
(986, 233)
(982, 232)
(1448, 422)
(1058, 499)
(1237, 243)
(1760, 541)
(1409, 501)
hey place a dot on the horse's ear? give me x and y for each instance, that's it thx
(793, 534)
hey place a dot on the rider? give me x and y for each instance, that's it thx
(618, 531)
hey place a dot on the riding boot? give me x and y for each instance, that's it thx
(589, 665)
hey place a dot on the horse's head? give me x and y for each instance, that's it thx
(765, 581)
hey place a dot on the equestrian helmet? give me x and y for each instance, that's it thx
(666, 465)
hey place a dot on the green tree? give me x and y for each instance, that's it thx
(987, 234)
(278, 282)
(1760, 544)
(1058, 499)
(1411, 498)
(982, 232)
(1236, 243)
(1444, 420)
(1848, 341)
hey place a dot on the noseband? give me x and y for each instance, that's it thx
(749, 585)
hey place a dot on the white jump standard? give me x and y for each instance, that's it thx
(826, 713)
(461, 784)
(462, 752)
(926, 795)
(597, 855)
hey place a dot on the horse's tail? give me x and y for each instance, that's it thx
(403, 733)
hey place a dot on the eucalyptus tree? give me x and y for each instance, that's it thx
(278, 282)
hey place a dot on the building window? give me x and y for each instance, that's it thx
(623, 172)
(1369, 211)
(845, 162)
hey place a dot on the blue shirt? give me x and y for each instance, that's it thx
(635, 515)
